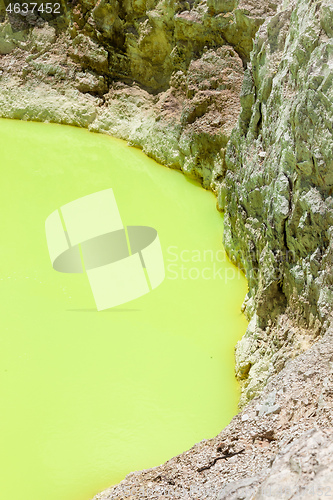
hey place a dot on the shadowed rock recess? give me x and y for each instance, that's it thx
(239, 95)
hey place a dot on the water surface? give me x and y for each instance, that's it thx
(88, 396)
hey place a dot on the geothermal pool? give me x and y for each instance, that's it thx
(88, 396)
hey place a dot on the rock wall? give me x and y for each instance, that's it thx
(277, 192)
(164, 75)
(149, 40)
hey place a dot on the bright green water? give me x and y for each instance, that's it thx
(88, 396)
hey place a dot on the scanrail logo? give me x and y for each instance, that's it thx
(122, 263)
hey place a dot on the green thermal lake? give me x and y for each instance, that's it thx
(88, 396)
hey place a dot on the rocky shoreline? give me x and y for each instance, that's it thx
(179, 80)
(286, 434)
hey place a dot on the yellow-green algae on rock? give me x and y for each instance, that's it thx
(89, 396)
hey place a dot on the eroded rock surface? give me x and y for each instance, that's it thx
(277, 192)
(164, 75)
